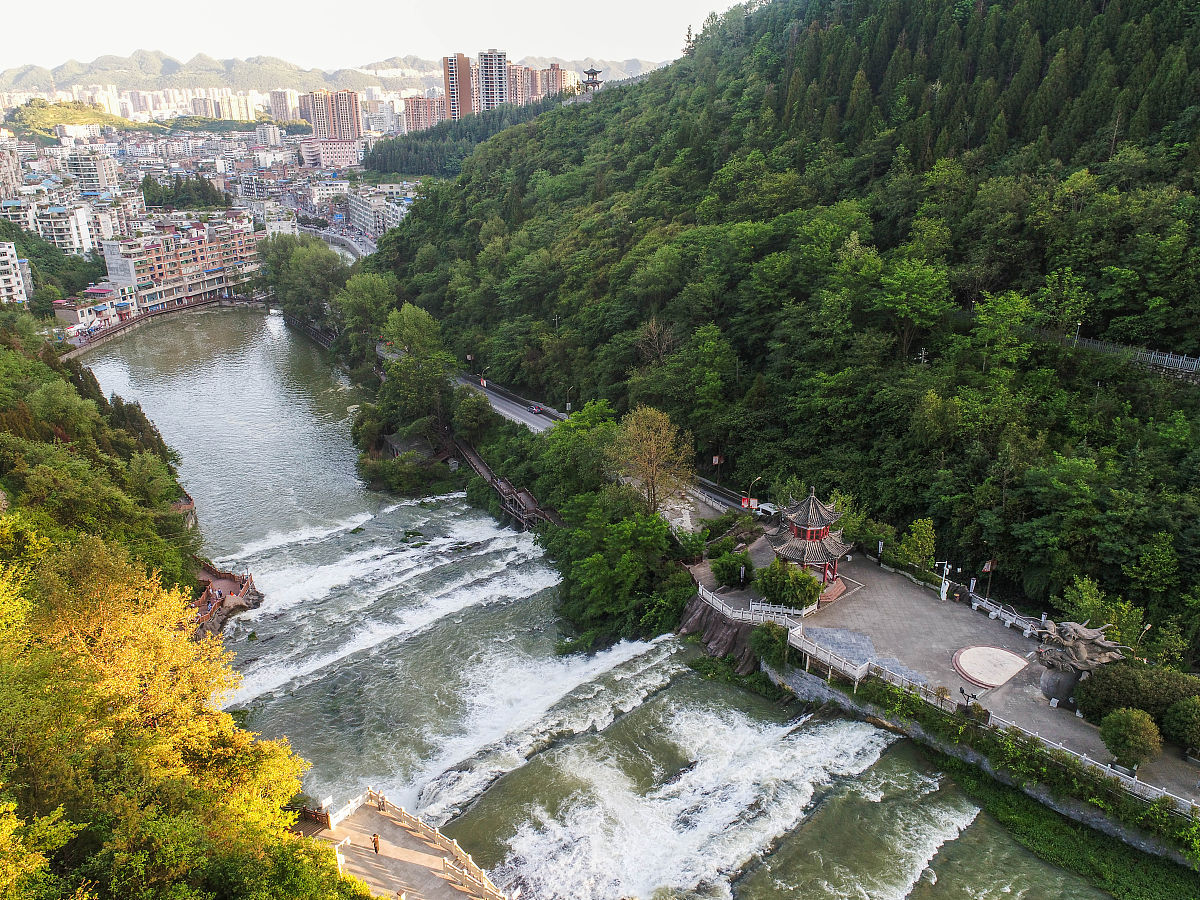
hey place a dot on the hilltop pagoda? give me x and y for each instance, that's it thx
(592, 83)
(804, 537)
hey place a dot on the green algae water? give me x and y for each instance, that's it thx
(410, 646)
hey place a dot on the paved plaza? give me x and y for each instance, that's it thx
(406, 863)
(885, 618)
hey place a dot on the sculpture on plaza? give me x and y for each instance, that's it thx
(1068, 651)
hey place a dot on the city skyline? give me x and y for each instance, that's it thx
(402, 30)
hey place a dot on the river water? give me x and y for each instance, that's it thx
(410, 646)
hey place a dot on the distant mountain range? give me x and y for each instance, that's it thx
(154, 70)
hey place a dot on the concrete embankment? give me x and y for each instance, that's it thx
(813, 688)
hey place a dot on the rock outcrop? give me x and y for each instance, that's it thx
(229, 606)
(720, 636)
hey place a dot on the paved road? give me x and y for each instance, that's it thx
(511, 409)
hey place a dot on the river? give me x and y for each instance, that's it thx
(410, 646)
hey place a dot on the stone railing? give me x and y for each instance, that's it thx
(1006, 614)
(1131, 783)
(754, 616)
(460, 866)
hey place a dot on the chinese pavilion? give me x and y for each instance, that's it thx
(804, 537)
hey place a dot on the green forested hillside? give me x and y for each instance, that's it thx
(440, 150)
(842, 241)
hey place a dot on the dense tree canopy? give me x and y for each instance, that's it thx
(119, 775)
(851, 244)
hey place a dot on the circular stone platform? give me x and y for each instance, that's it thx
(987, 667)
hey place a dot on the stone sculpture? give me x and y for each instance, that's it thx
(1068, 651)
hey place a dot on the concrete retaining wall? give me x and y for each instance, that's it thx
(808, 686)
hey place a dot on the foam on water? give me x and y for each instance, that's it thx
(751, 782)
(279, 540)
(273, 674)
(536, 703)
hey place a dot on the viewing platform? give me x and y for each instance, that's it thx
(415, 860)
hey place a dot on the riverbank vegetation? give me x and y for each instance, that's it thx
(852, 245)
(119, 775)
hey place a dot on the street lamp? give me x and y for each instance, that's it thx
(945, 564)
(571, 388)
(1140, 636)
(1078, 325)
(750, 490)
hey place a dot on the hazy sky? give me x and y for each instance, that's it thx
(344, 34)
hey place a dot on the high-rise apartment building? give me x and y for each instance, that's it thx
(13, 286)
(94, 171)
(285, 105)
(347, 115)
(10, 173)
(492, 79)
(268, 135)
(523, 84)
(203, 106)
(460, 87)
(336, 115)
(304, 108)
(423, 112)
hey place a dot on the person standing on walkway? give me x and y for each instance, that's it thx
(375, 842)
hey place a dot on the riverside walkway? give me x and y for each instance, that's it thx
(414, 860)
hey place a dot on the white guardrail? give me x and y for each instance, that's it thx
(460, 865)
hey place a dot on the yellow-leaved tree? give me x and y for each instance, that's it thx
(654, 455)
(116, 761)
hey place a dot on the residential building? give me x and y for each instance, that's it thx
(304, 108)
(522, 84)
(10, 172)
(203, 107)
(285, 105)
(67, 227)
(331, 154)
(365, 211)
(336, 115)
(324, 191)
(14, 288)
(93, 171)
(460, 88)
(421, 113)
(268, 135)
(19, 211)
(492, 79)
(186, 262)
(282, 226)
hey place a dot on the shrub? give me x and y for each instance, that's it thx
(917, 547)
(788, 585)
(691, 543)
(720, 547)
(1129, 684)
(769, 643)
(1130, 736)
(727, 567)
(1181, 723)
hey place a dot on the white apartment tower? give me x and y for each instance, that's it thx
(94, 171)
(493, 79)
(13, 287)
